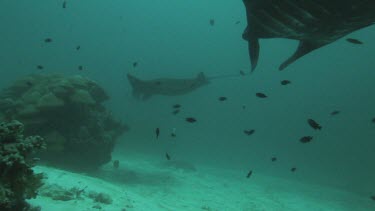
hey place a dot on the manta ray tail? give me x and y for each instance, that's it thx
(304, 48)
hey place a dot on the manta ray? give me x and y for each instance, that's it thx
(144, 89)
(314, 23)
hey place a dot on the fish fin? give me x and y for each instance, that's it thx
(136, 86)
(202, 78)
(253, 47)
(134, 82)
(250, 36)
(304, 48)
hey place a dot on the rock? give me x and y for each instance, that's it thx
(55, 141)
(31, 97)
(49, 101)
(82, 97)
(28, 111)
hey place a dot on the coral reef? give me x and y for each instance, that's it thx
(68, 112)
(17, 180)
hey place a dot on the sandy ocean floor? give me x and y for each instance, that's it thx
(176, 185)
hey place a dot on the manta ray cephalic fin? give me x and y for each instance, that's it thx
(304, 48)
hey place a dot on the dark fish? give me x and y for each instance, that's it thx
(285, 82)
(306, 139)
(273, 159)
(314, 124)
(314, 23)
(80, 67)
(242, 73)
(40, 67)
(372, 197)
(173, 134)
(78, 47)
(135, 64)
(191, 119)
(354, 41)
(212, 22)
(333, 113)
(249, 132)
(261, 95)
(64, 5)
(222, 98)
(176, 106)
(167, 156)
(48, 40)
(373, 120)
(157, 132)
(293, 169)
(29, 83)
(116, 164)
(237, 22)
(249, 174)
(243, 107)
(176, 111)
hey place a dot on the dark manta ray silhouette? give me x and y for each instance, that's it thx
(145, 89)
(315, 23)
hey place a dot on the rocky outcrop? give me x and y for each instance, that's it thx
(69, 113)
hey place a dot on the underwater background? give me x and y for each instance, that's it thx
(174, 39)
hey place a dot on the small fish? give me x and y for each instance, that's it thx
(135, 64)
(116, 164)
(167, 156)
(285, 82)
(29, 83)
(249, 132)
(64, 5)
(354, 41)
(212, 22)
(306, 139)
(173, 135)
(249, 174)
(261, 95)
(78, 47)
(191, 119)
(373, 120)
(273, 159)
(222, 98)
(40, 67)
(372, 197)
(176, 111)
(314, 124)
(48, 40)
(293, 169)
(176, 106)
(333, 113)
(237, 22)
(243, 107)
(80, 67)
(242, 73)
(157, 132)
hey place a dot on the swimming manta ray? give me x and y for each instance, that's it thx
(144, 89)
(314, 23)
